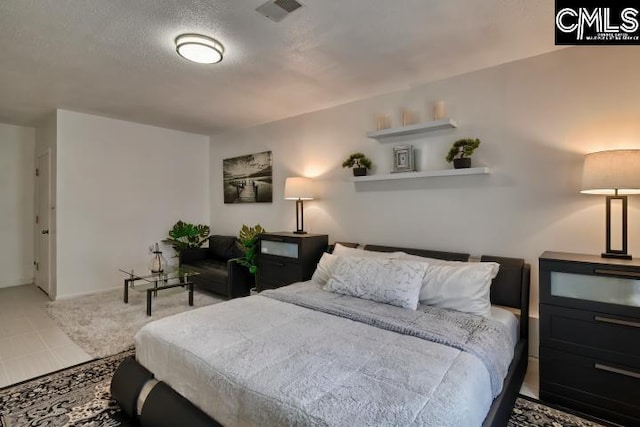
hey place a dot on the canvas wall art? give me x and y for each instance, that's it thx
(248, 179)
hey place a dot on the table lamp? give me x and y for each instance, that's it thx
(298, 189)
(614, 173)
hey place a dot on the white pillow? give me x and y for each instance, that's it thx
(324, 269)
(462, 286)
(458, 285)
(383, 280)
(327, 262)
(340, 250)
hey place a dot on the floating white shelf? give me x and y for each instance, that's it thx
(424, 174)
(413, 129)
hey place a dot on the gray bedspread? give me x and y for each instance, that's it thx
(299, 356)
(482, 337)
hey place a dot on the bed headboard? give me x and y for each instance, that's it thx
(332, 246)
(449, 256)
(510, 287)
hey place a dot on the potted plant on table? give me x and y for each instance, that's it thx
(461, 151)
(359, 162)
(184, 235)
(248, 244)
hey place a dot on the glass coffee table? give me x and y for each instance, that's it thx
(152, 283)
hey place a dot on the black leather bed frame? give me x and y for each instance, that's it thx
(154, 403)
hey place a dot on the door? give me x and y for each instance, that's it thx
(43, 220)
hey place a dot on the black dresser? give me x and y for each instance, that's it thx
(590, 335)
(285, 258)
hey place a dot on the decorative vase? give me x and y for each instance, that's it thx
(359, 171)
(462, 163)
(158, 262)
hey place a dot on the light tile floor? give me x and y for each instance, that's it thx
(31, 344)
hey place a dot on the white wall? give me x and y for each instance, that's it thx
(536, 117)
(121, 186)
(17, 172)
(47, 141)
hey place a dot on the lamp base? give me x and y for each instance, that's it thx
(299, 232)
(618, 256)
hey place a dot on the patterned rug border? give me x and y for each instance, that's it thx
(58, 371)
(570, 411)
(75, 396)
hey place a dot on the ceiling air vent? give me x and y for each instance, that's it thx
(277, 10)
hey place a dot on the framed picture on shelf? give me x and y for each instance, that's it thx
(403, 159)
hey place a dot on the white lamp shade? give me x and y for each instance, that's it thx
(607, 171)
(298, 188)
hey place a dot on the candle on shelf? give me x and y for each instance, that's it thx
(439, 111)
(382, 122)
(407, 117)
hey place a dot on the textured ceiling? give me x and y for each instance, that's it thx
(117, 58)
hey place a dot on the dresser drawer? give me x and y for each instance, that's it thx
(289, 250)
(594, 286)
(276, 270)
(613, 387)
(611, 337)
(284, 258)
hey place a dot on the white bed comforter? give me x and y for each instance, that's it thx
(258, 361)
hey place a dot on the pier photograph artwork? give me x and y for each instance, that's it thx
(248, 179)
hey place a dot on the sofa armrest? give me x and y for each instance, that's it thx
(193, 255)
(240, 280)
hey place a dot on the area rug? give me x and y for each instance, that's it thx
(528, 412)
(102, 325)
(76, 396)
(79, 396)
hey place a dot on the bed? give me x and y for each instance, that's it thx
(302, 356)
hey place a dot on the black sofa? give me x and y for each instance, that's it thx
(217, 272)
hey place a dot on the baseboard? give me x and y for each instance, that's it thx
(82, 294)
(534, 336)
(17, 282)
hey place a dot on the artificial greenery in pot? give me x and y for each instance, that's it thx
(359, 162)
(248, 244)
(461, 151)
(184, 235)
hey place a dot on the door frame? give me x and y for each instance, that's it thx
(36, 224)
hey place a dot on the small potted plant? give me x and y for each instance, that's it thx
(248, 244)
(461, 151)
(359, 162)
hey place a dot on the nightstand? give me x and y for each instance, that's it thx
(285, 258)
(590, 335)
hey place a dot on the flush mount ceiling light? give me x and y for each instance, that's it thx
(198, 48)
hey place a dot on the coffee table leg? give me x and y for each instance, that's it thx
(149, 291)
(190, 285)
